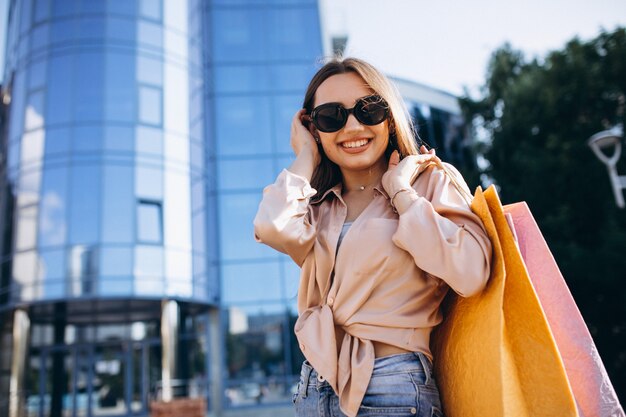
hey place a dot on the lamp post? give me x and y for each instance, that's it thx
(607, 141)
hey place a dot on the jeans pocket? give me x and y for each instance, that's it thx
(296, 394)
(436, 412)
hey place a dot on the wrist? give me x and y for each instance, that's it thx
(402, 198)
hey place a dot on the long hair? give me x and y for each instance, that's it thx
(401, 133)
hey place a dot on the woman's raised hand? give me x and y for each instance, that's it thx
(400, 175)
(304, 146)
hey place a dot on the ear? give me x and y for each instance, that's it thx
(313, 131)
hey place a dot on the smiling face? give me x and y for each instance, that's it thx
(355, 147)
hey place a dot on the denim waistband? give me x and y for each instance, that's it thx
(401, 362)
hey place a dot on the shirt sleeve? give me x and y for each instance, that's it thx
(283, 219)
(444, 237)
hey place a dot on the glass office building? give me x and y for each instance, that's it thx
(137, 136)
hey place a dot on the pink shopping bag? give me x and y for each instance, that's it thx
(592, 389)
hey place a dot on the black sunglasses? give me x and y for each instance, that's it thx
(331, 117)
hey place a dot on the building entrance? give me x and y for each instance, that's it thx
(103, 379)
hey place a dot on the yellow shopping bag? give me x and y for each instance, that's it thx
(494, 352)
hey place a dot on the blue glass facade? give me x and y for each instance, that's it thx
(106, 152)
(139, 137)
(137, 141)
(262, 56)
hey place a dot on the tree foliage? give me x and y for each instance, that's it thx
(538, 115)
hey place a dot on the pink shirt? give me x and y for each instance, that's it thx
(387, 279)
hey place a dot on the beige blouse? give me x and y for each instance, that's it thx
(387, 279)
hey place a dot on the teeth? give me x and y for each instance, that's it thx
(355, 144)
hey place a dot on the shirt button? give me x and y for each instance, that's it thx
(413, 410)
(331, 300)
(320, 378)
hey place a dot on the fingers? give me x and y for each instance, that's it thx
(394, 159)
(425, 151)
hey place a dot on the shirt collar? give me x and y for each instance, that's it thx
(339, 187)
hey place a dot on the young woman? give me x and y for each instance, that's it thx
(381, 234)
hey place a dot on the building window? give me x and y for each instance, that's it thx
(149, 222)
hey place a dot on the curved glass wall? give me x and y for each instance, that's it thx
(262, 55)
(106, 151)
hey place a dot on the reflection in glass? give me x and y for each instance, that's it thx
(149, 182)
(291, 77)
(123, 7)
(241, 79)
(149, 34)
(16, 115)
(244, 127)
(245, 174)
(39, 37)
(37, 75)
(42, 10)
(236, 217)
(109, 370)
(63, 31)
(24, 269)
(149, 140)
(236, 35)
(149, 261)
(82, 269)
(150, 9)
(176, 99)
(57, 140)
(60, 81)
(291, 278)
(177, 211)
(118, 138)
(63, 8)
(89, 87)
(28, 192)
(32, 147)
(121, 92)
(53, 208)
(34, 111)
(283, 109)
(149, 222)
(178, 273)
(291, 32)
(84, 206)
(254, 343)
(150, 105)
(51, 265)
(26, 235)
(118, 204)
(120, 29)
(87, 138)
(91, 28)
(198, 232)
(176, 14)
(149, 70)
(115, 286)
(251, 282)
(116, 261)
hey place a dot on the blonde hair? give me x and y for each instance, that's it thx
(401, 133)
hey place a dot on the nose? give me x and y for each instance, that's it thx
(352, 124)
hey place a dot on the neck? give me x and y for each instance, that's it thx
(365, 179)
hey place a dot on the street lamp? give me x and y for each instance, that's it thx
(608, 140)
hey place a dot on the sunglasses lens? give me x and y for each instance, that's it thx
(371, 110)
(329, 118)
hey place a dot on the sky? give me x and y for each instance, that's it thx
(446, 44)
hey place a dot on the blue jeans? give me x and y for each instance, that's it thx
(401, 385)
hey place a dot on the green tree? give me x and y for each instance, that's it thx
(537, 116)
